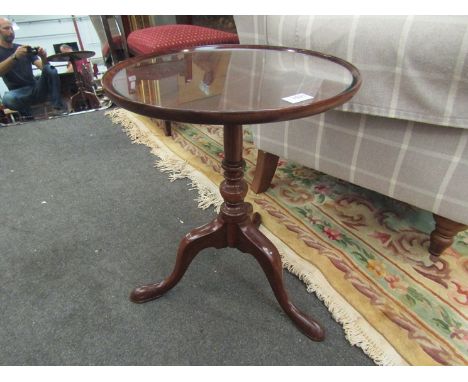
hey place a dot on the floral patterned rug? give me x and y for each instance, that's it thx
(365, 255)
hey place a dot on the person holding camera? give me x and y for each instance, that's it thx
(16, 70)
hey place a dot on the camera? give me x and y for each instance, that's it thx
(33, 51)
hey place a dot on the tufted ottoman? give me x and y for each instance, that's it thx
(166, 37)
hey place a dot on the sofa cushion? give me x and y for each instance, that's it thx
(413, 67)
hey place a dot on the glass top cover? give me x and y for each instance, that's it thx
(230, 79)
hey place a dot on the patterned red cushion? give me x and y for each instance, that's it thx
(159, 38)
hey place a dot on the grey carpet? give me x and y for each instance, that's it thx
(85, 218)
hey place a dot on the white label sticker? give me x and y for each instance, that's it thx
(297, 98)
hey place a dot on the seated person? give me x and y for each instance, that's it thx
(16, 71)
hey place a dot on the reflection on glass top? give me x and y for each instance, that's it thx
(232, 80)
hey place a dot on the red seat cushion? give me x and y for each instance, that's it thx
(165, 37)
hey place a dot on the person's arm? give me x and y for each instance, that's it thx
(6, 65)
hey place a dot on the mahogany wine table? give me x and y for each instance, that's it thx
(232, 85)
(83, 99)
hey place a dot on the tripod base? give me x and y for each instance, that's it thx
(234, 227)
(245, 236)
(84, 100)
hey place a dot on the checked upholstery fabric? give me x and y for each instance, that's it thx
(405, 133)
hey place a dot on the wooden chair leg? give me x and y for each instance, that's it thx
(264, 171)
(443, 234)
(167, 128)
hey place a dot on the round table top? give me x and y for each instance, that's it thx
(232, 84)
(71, 56)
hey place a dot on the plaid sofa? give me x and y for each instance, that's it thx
(405, 133)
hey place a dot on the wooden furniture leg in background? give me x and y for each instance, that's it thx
(443, 234)
(167, 128)
(264, 171)
(12, 115)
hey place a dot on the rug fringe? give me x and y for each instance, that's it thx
(357, 330)
(208, 193)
